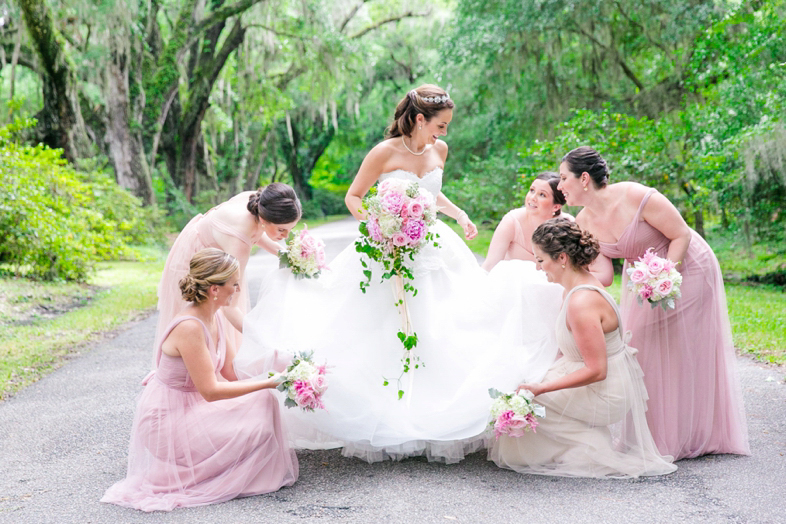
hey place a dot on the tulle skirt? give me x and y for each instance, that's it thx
(186, 451)
(475, 331)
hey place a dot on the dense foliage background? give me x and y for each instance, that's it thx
(186, 102)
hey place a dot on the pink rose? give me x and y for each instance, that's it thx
(638, 276)
(655, 266)
(646, 292)
(400, 239)
(502, 423)
(415, 208)
(664, 287)
(517, 426)
(319, 384)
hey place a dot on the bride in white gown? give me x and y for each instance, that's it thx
(473, 332)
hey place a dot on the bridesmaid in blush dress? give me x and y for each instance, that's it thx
(594, 394)
(260, 217)
(687, 354)
(512, 237)
(199, 435)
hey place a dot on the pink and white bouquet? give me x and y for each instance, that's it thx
(304, 255)
(514, 414)
(399, 215)
(303, 382)
(655, 279)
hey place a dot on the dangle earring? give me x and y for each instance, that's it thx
(215, 297)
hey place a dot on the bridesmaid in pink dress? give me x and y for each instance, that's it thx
(260, 217)
(695, 405)
(199, 435)
(512, 238)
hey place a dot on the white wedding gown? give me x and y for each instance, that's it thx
(475, 331)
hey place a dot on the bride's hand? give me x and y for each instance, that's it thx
(470, 230)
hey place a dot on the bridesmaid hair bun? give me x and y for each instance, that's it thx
(560, 235)
(275, 203)
(584, 159)
(427, 100)
(208, 267)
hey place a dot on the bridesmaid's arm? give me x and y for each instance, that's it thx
(585, 322)
(368, 174)
(661, 214)
(189, 340)
(268, 245)
(603, 270)
(500, 242)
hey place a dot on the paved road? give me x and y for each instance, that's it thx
(63, 441)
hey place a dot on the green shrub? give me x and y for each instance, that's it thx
(56, 222)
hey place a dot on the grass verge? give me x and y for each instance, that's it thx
(33, 344)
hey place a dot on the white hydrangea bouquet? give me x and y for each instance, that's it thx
(514, 414)
(304, 255)
(303, 382)
(399, 215)
(655, 279)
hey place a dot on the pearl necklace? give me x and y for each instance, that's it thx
(408, 149)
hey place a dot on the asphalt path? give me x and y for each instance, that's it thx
(64, 440)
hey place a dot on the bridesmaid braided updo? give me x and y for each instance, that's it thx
(427, 100)
(275, 203)
(208, 267)
(584, 159)
(560, 235)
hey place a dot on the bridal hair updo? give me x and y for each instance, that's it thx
(560, 235)
(427, 100)
(275, 203)
(584, 159)
(208, 267)
(556, 195)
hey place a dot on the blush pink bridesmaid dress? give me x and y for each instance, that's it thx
(186, 451)
(197, 235)
(695, 401)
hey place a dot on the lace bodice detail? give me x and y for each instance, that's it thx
(431, 181)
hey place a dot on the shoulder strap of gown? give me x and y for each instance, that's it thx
(172, 326)
(605, 295)
(644, 201)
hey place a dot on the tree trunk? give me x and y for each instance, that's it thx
(204, 77)
(310, 138)
(60, 122)
(125, 150)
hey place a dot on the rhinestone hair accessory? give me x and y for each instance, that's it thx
(431, 99)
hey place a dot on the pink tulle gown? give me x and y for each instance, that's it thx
(687, 354)
(197, 235)
(186, 451)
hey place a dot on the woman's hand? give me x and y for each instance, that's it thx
(535, 389)
(470, 230)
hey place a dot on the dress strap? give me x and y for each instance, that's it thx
(519, 237)
(644, 201)
(172, 326)
(605, 295)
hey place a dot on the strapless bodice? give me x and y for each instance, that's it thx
(431, 181)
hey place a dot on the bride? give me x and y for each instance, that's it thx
(469, 337)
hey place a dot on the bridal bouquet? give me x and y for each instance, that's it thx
(655, 279)
(304, 255)
(513, 414)
(304, 383)
(398, 217)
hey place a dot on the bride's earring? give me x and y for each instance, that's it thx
(420, 127)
